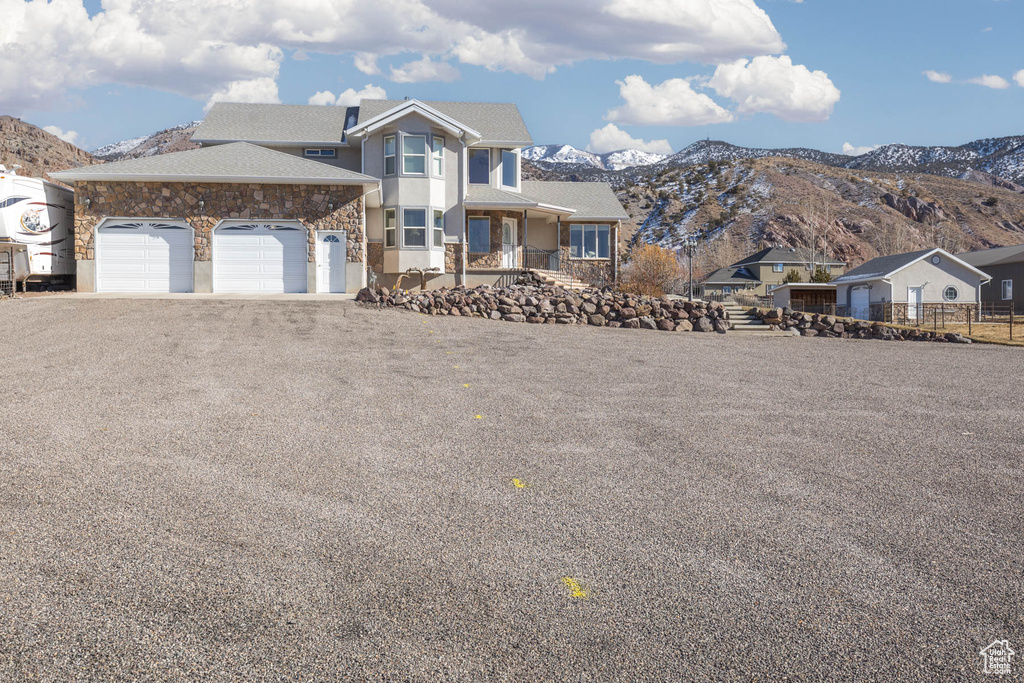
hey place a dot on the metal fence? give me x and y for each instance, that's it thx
(7, 285)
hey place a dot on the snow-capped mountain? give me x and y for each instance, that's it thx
(546, 155)
(1002, 157)
(175, 139)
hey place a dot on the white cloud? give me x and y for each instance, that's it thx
(424, 69)
(671, 103)
(263, 90)
(366, 63)
(989, 81)
(1018, 78)
(51, 49)
(854, 151)
(65, 135)
(937, 76)
(350, 97)
(611, 138)
(775, 85)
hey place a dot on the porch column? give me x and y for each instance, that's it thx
(465, 244)
(526, 233)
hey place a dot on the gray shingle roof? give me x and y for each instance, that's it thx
(266, 123)
(784, 255)
(731, 275)
(881, 266)
(994, 257)
(235, 162)
(495, 121)
(592, 201)
(481, 194)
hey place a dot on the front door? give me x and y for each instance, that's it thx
(330, 263)
(508, 242)
(914, 298)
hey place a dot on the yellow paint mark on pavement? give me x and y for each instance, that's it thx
(479, 417)
(574, 586)
(466, 385)
(519, 483)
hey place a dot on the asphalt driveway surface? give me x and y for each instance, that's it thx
(270, 490)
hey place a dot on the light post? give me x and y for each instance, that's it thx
(690, 246)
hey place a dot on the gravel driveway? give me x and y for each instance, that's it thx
(252, 490)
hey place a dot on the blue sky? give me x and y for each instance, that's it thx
(647, 73)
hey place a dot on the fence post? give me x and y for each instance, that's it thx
(935, 320)
(1011, 321)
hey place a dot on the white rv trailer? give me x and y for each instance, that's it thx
(36, 229)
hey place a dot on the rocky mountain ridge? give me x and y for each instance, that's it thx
(174, 139)
(36, 151)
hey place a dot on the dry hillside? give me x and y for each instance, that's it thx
(738, 207)
(37, 151)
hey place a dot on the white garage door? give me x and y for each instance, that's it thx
(860, 302)
(259, 259)
(144, 257)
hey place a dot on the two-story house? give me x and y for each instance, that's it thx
(759, 273)
(297, 198)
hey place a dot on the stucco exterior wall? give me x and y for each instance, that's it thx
(935, 279)
(308, 204)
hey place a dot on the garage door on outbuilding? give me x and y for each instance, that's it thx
(144, 256)
(254, 258)
(860, 303)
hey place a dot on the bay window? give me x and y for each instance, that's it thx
(479, 235)
(589, 241)
(390, 227)
(438, 228)
(480, 166)
(389, 155)
(414, 228)
(414, 154)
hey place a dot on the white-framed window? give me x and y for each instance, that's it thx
(1007, 290)
(414, 228)
(589, 241)
(480, 167)
(414, 155)
(727, 290)
(950, 293)
(438, 229)
(479, 235)
(320, 152)
(390, 227)
(389, 155)
(778, 267)
(509, 169)
(437, 158)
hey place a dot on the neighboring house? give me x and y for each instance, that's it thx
(1006, 267)
(759, 273)
(303, 198)
(911, 288)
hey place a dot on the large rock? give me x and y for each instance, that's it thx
(666, 325)
(703, 324)
(721, 326)
(647, 323)
(684, 326)
(596, 319)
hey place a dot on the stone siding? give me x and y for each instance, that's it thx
(375, 256)
(307, 204)
(452, 258)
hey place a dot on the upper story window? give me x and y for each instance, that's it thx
(320, 152)
(389, 155)
(777, 267)
(589, 241)
(480, 166)
(390, 227)
(414, 154)
(414, 227)
(509, 169)
(438, 228)
(437, 158)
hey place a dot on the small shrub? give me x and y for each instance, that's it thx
(651, 271)
(821, 275)
(793, 275)
(991, 201)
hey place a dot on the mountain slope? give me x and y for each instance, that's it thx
(736, 207)
(567, 155)
(36, 151)
(175, 139)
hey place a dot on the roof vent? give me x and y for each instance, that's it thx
(406, 98)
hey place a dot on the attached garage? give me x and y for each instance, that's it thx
(260, 259)
(144, 256)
